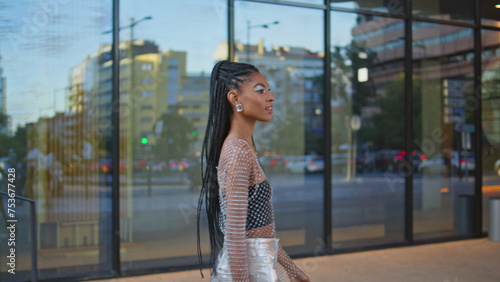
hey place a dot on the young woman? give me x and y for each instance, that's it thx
(235, 190)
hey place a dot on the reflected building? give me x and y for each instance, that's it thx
(194, 101)
(67, 152)
(295, 75)
(4, 126)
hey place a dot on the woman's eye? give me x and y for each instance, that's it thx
(260, 90)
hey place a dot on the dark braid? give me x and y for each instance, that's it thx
(226, 76)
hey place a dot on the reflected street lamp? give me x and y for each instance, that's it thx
(249, 26)
(130, 56)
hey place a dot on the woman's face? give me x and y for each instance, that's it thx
(256, 97)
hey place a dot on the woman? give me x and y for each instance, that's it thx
(235, 189)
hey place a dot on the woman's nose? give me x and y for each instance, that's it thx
(271, 96)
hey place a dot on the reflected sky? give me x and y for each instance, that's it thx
(42, 40)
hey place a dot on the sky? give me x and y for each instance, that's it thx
(42, 40)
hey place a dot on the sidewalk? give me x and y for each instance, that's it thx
(475, 260)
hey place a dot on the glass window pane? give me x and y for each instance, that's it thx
(490, 12)
(443, 68)
(164, 109)
(55, 76)
(367, 129)
(490, 94)
(286, 45)
(319, 2)
(384, 6)
(456, 10)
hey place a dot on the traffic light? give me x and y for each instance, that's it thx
(144, 140)
(194, 133)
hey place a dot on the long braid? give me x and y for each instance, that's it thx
(225, 76)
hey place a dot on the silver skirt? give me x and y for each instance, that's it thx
(262, 259)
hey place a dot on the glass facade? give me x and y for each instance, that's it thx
(386, 128)
(290, 147)
(367, 103)
(458, 10)
(490, 119)
(444, 124)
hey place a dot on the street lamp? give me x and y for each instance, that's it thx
(249, 26)
(132, 24)
(130, 56)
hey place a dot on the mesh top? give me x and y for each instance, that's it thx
(246, 207)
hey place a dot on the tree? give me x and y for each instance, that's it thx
(387, 129)
(175, 137)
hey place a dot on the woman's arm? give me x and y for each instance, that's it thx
(234, 182)
(293, 272)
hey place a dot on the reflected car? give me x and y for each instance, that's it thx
(305, 163)
(463, 161)
(179, 165)
(158, 166)
(104, 166)
(274, 163)
(385, 160)
(459, 162)
(416, 158)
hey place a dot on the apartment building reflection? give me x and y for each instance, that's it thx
(68, 161)
(4, 122)
(294, 74)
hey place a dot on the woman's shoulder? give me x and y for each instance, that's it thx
(239, 145)
(238, 150)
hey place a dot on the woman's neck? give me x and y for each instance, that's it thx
(241, 129)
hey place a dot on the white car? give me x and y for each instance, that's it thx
(460, 163)
(306, 163)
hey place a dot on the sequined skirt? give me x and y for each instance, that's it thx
(262, 259)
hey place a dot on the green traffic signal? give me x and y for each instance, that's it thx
(144, 140)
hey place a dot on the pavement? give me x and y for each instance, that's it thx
(476, 260)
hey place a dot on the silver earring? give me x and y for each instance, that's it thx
(239, 108)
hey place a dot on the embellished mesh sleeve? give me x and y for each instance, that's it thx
(291, 269)
(234, 176)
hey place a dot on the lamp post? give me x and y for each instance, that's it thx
(130, 55)
(249, 26)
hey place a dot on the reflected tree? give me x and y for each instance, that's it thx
(387, 127)
(175, 138)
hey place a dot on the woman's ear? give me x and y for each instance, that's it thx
(232, 96)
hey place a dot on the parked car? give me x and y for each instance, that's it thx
(305, 163)
(459, 162)
(463, 161)
(276, 163)
(416, 158)
(158, 166)
(179, 165)
(497, 167)
(385, 160)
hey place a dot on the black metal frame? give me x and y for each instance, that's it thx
(327, 136)
(409, 124)
(478, 191)
(115, 141)
(116, 270)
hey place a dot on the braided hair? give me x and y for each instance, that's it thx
(226, 76)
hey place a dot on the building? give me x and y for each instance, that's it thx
(3, 106)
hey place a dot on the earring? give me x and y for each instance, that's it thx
(239, 108)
